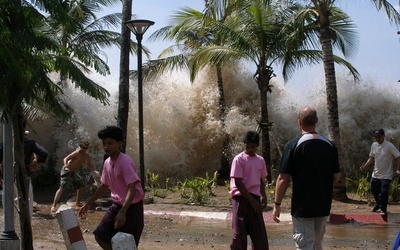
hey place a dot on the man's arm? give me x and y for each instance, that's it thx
(120, 219)
(88, 163)
(282, 184)
(70, 157)
(369, 161)
(336, 177)
(99, 193)
(95, 174)
(40, 157)
(40, 152)
(398, 166)
(243, 191)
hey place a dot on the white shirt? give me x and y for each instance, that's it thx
(384, 154)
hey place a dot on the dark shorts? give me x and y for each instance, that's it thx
(70, 180)
(134, 223)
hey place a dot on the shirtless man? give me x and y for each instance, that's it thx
(69, 179)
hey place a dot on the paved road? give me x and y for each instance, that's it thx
(166, 231)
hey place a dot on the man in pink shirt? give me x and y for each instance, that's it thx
(119, 175)
(246, 188)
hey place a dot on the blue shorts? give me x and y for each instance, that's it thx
(134, 223)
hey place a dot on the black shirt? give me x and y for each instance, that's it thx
(311, 160)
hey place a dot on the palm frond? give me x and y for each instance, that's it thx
(391, 12)
(157, 67)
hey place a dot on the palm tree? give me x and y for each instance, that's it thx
(127, 47)
(83, 36)
(261, 33)
(123, 93)
(28, 53)
(190, 31)
(319, 16)
(25, 62)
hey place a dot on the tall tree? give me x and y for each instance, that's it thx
(191, 31)
(319, 16)
(28, 53)
(25, 60)
(83, 36)
(123, 92)
(261, 33)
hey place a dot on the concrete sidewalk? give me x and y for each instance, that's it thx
(285, 217)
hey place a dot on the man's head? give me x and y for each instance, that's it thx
(113, 132)
(251, 140)
(379, 132)
(379, 135)
(84, 144)
(307, 118)
(112, 139)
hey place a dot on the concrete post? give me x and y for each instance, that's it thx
(8, 238)
(70, 228)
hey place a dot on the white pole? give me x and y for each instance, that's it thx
(70, 229)
(8, 238)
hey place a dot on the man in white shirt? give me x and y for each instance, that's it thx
(382, 153)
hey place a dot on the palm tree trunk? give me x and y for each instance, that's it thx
(332, 104)
(224, 170)
(123, 94)
(266, 147)
(265, 74)
(22, 182)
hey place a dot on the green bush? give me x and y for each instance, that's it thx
(200, 189)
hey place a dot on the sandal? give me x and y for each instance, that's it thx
(79, 204)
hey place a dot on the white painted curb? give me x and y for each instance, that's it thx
(285, 217)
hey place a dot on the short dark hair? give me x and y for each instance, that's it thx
(113, 132)
(251, 137)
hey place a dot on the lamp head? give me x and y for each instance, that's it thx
(138, 26)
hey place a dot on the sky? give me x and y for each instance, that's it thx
(378, 55)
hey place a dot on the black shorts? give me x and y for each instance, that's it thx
(134, 223)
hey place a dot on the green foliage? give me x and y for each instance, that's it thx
(182, 188)
(353, 178)
(270, 191)
(167, 183)
(358, 182)
(361, 185)
(394, 189)
(153, 182)
(200, 189)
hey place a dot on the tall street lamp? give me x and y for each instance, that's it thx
(139, 27)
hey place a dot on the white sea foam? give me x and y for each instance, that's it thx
(183, 134)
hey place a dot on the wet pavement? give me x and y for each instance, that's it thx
(186, 232)
(184, 229)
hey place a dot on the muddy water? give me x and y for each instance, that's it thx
(173, 232)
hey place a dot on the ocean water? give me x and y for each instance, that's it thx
(183, 134)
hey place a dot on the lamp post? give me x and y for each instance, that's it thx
(139, 27)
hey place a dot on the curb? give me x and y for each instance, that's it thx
(285, 217)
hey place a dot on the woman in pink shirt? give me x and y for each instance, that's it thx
(119, 175)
